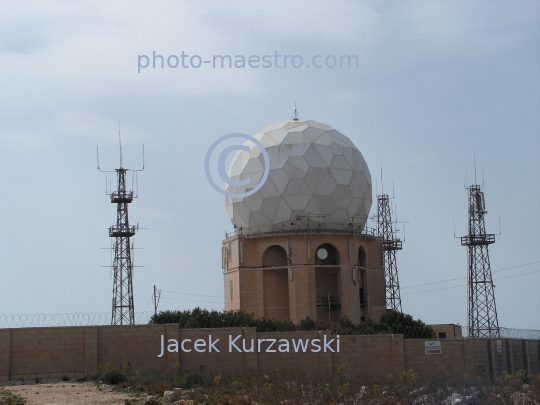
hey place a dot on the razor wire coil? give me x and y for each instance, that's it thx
(508, 333)
(65, 319)
(13, 321)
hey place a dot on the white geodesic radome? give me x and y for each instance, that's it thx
(316, 174)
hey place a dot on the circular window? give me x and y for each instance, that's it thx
(322, 253)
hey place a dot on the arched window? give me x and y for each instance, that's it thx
(362, 258)
(326, 254)
(275, 256)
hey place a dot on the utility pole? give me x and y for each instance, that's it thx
(157, 296)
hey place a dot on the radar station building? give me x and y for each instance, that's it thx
(300, 246)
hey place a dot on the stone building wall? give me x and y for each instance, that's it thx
(253, 282)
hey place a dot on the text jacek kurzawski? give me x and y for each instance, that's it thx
(236, 344)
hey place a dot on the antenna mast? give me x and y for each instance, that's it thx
(481, 308)
(391, 244)
(123, 309)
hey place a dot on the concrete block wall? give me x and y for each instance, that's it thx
(375, 356)
(471, 355)
(532, 356)
(49, 350)
(452, 354)
(28, 353)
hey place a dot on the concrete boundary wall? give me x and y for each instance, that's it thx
(27, 353)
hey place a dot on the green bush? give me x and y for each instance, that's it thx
(390, 323)
(401, 323)
(114, 377)
(192, 380)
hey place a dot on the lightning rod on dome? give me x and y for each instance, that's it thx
(295, 113)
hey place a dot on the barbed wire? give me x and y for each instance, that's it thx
(65, 319)
(509, 333)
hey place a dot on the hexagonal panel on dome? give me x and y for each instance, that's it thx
(317, 175)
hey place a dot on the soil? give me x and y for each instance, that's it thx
(70, 393)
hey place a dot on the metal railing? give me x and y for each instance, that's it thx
(477, 240)
(329, 301)
(323, 229)
(65, 319)
(122, 196)
(121, 230)
(394, 244)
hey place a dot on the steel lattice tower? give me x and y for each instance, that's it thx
(123, 311)
(123, 308)
(385, 229)
(481, 308)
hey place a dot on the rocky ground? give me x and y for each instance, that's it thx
(69, 393)
(56, 392)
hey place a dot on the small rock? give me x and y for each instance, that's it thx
(149, 397)
(170, 395)
(455, 399)
(519, 398)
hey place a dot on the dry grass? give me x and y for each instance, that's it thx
(290, 387)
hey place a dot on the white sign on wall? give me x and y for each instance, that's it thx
(433, 347)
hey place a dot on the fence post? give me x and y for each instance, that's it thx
(90, 350)
(5, 354)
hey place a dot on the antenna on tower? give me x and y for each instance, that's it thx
(382, 184)
(482, 177)
(120, 141)
(133, 255)
(474, 158)
(111, 261)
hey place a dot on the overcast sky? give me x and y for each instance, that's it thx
(436, 80)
